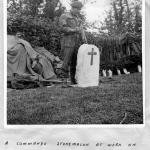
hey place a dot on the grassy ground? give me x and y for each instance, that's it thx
(106, 104)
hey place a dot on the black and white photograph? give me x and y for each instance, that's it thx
(75, 62)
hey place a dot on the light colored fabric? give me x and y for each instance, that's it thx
(87, 69)
(12, 41)
(16, 60)
(45, 53)
(19, 59)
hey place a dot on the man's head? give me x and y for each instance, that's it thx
(76, 7)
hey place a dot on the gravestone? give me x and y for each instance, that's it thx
(139, 68)
(88, 65)
(125, 71)
(104, 73)
(118, 72)
(110, 73)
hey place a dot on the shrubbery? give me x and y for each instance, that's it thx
(44, 32)
(38, 31)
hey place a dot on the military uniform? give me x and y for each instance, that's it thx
(69, 43)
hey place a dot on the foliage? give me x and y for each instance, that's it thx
(39, 27)
(38, 31)
(38, 21)
(52, 9)
(124, 16)
(24, 7)
(116, 51)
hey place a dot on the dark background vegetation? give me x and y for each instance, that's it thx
(119, 34)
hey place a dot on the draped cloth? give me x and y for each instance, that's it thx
(20, 55)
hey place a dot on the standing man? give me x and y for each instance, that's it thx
(71, 28)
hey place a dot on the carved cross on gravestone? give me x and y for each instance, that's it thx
(92, 53)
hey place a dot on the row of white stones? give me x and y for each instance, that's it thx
(110, 73)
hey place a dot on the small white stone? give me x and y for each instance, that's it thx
(104, 73)
(118, 72)
(110, 73)
(139, 68)
(125, 71)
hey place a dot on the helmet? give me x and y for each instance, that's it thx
(77, 4)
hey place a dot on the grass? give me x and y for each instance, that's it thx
(106, 104)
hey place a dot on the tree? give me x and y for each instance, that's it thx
(124, 16)
(38, 26)
(53, 8)
(24, 7)
(138, 20)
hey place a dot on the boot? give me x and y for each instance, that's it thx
(73, 81)
(72, 76)
(64, 83)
